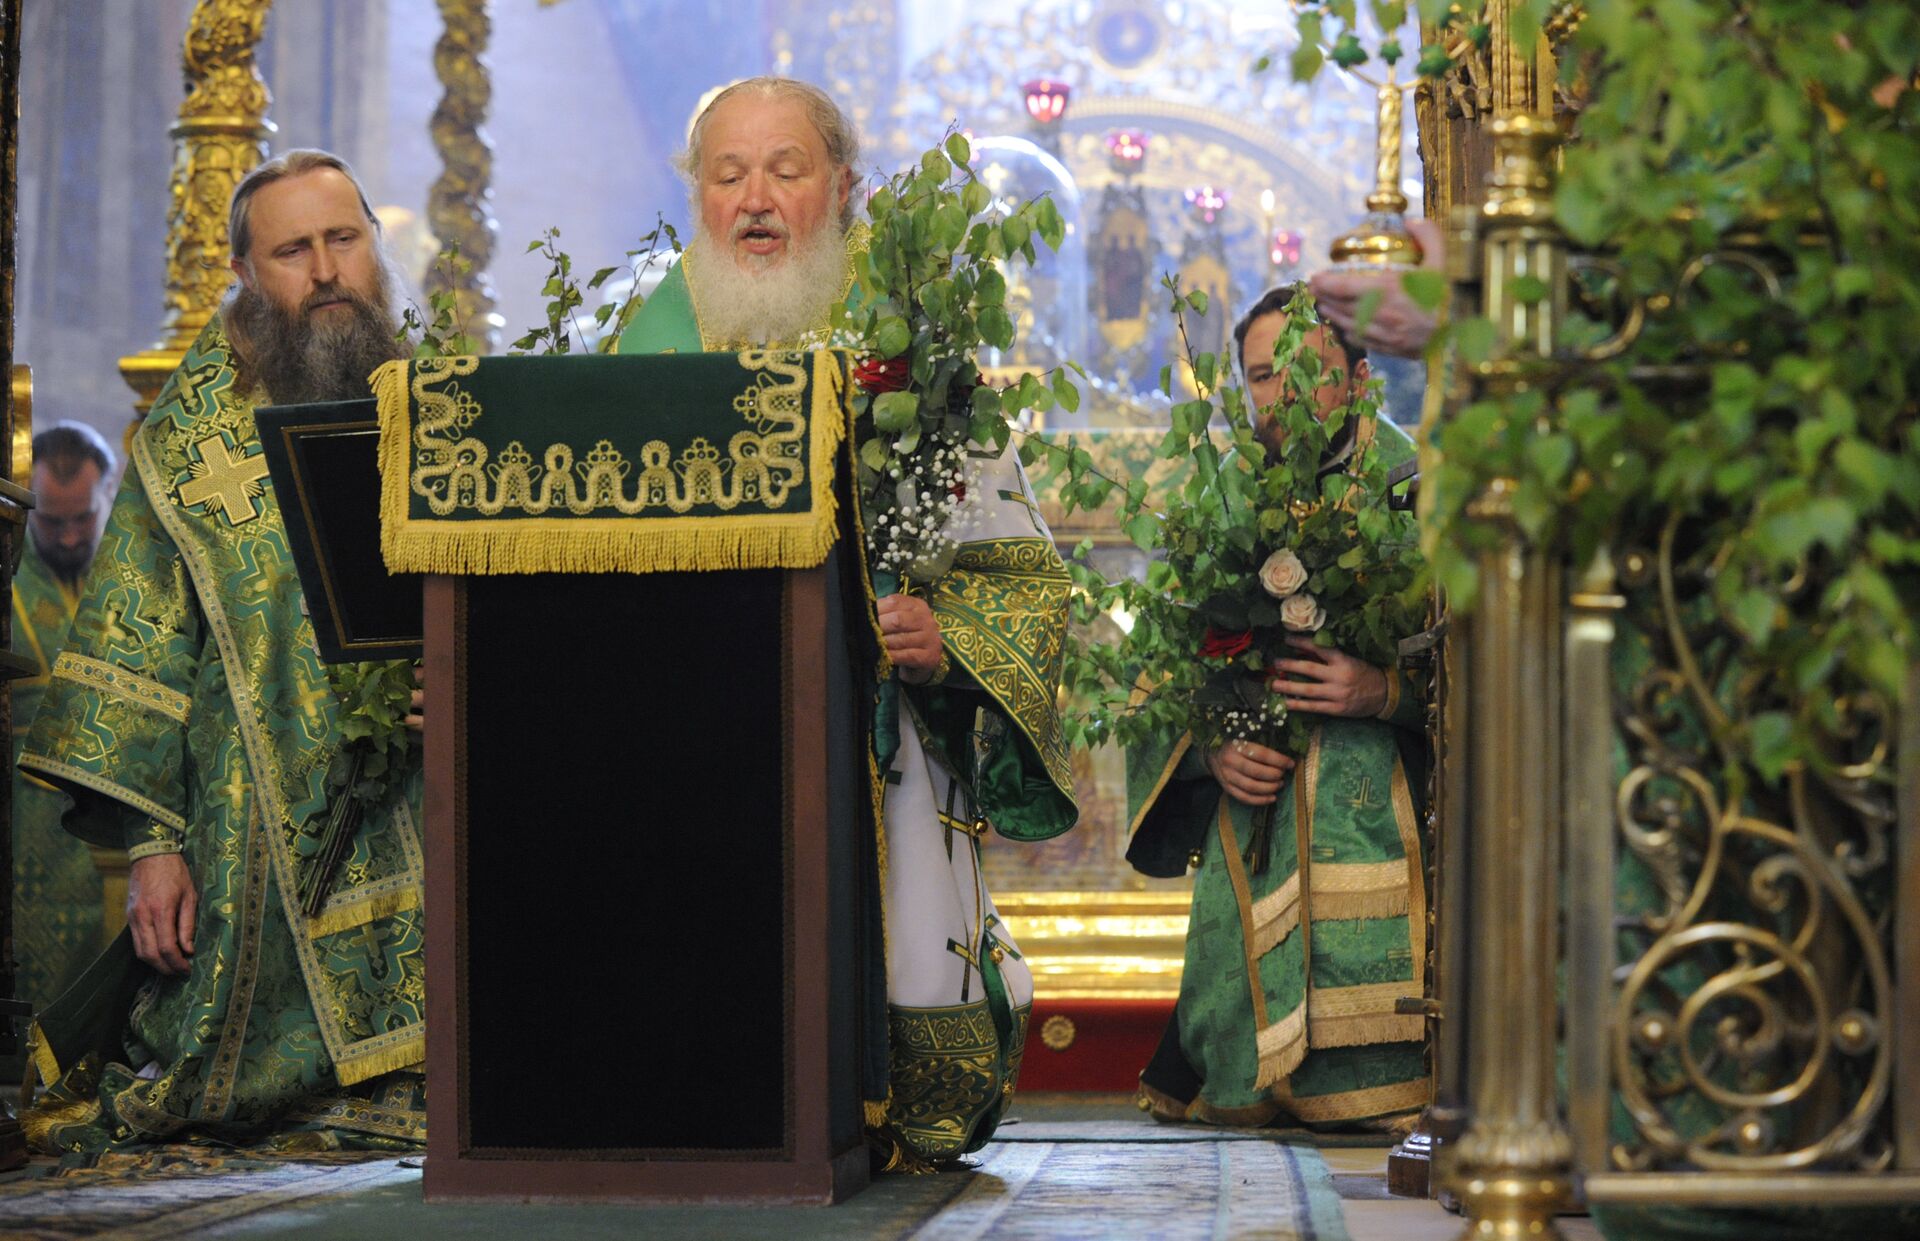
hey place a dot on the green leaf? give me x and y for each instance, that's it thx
(892, 336)
(1427, 288)
(996, 328)
(1064, 389)
(975, 197)
(1144, 530)
(874, 454)
(1529, 290)
(1770, 742)
(958, 149)
(1474, 339)
(895, 411)
(1198, 300)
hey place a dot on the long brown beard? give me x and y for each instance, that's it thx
(297, 359)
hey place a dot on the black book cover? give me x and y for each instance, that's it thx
(324, 460)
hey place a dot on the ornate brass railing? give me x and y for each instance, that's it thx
(1741, 977)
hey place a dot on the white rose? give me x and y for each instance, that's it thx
(1283, 574)
(1302, 613)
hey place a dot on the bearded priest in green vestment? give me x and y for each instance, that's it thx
(969, 737)
(57, 914)
(189, 721)
(1292, 973)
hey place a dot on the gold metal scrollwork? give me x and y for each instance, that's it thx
(1749, 1031)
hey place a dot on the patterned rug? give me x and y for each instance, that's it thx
(1071, 1188)
(1171, 1191)
(179, 1192)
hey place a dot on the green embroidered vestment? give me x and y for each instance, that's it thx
(56, 887)
(190, 712)
(1291, 975)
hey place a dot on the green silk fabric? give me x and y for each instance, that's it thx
(666, 323)
(697, 462)
(56, 887)
(191, 711)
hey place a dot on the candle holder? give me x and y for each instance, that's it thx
(1381, 242)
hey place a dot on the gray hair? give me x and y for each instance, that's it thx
(292, 164)
(63, 448)
(835, 130)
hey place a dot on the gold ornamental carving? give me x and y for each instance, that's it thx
(1058, 1032)
(459, 209)
(220, 136)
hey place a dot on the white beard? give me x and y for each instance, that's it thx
(778, 305)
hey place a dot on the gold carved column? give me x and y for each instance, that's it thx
(458, 207)
(220, 137)
(1512, 1168)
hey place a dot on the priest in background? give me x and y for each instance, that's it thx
(190, 722)
(56, 887)
(973, 740)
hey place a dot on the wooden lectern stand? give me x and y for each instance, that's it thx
(643, 888)
(652, 943)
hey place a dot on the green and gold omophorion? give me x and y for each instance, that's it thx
(1292, 972)
(56, 887)
(979, 746)
(190, 713)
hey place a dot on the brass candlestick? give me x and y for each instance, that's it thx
(1381, 242)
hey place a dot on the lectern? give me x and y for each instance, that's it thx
(649, 850)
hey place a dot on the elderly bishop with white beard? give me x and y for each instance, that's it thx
(966, 736)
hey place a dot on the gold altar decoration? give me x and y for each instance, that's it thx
(220, 137)
(1780, 1066)
(1511, 1169)
(458, 207)
(1381, 240)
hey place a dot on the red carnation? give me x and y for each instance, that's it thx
(1224, 646)
(878, 375)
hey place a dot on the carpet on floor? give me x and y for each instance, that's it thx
(170, 1192)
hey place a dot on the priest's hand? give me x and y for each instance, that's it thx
(1328, 682)
(912, 636)
(416, 713)
(1399, 326)
(161, 904)
(1250, 772)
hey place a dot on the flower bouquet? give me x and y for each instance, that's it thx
(929, 295)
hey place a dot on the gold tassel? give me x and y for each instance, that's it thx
(360, 912)
(350, 1068)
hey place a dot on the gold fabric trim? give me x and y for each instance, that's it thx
(101, 784)
(369, 902)
(424, 451)
(106, 678)
(1281, 1047)
(1344, 890)
(1002, 610)
(1276, 915)
(1180, 749)
(224, 1068)
(154, 848)
(1393, 694)
(1355, 1016)
(1355, 1104)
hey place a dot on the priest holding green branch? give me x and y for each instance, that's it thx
(1281, 752)
(971, 596)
